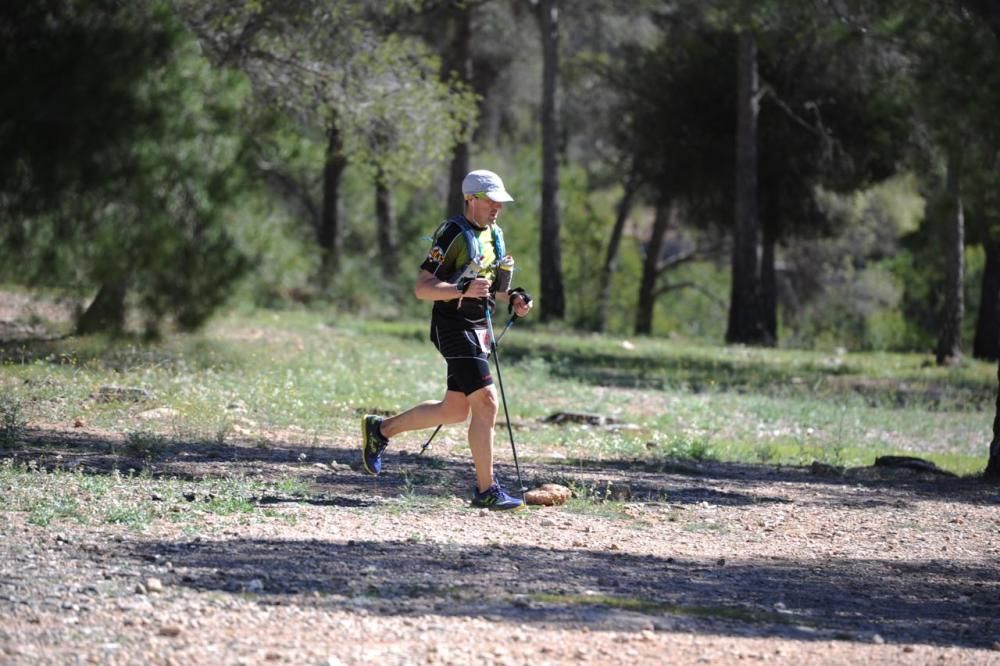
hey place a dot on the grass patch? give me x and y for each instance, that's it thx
(12, 422)
(144, 444)
(266, 380)
(132, 500)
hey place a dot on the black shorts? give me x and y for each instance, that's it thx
(465, 352)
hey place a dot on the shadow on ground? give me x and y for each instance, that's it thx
(936, 603)
(335, 471)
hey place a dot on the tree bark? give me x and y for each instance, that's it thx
(745, 323)
(328, 233)
(552, 301)
(986, 344)
(106, 313)
(651, 270)
(949, 349)
(611, 258)
(769, 286)
(458, 60)
(993, 466)
(388, 238)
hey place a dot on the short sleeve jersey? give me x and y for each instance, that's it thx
(446, 260)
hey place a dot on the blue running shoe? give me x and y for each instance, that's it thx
(372, 444)
(496, 498)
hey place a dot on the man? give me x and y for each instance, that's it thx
(459, 332)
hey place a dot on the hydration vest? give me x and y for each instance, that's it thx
(472, 239)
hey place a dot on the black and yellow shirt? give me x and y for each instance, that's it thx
(448, 257)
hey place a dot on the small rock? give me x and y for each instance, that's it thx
(580, 417)
(878, 640)
(547, 522)
(996, 646)
(548, 494)
(79, 423)
(122, 394)
(154, 585)
(170, 631)
(255, 585)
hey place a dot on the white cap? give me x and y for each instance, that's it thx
(486, 182)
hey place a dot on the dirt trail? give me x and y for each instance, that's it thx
(705, 563)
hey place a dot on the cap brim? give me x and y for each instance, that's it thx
(500, 196)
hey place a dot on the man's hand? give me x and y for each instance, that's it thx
(521, 303)
(478, 288)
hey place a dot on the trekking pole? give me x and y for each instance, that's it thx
(510, 322)
(429, 439)
(503, 398)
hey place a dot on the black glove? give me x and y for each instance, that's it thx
(510, 298)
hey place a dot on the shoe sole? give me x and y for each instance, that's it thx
(364, 447)
(519, 507)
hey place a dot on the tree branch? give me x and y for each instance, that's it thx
(691, 285)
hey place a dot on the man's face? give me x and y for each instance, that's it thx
(482, 211)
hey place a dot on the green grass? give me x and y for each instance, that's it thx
(132, 500)
(296, 377)
(12, 422)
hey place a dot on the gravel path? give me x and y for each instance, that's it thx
(701, 564)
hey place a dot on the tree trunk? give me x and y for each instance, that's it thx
(949, 348)
(769, 286)
(386, 229)
(552, 301)
(993, 466)
(651, 271)
(328, 233)
(745, 324)
(986, 345)
(611, 258)
(106, 313)
(458, 61)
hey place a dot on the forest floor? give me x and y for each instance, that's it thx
(698, 563)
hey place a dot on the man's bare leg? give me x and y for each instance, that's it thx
(483, 404)
(453, 409)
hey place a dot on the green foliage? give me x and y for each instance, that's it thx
(380, 91)
(144, 443)
(12, 421)
(153, 213)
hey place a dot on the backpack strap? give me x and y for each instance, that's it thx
(472, 239)
(498, 247)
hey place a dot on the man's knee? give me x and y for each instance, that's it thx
(484, 402)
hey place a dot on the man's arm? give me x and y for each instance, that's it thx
(430, 287)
